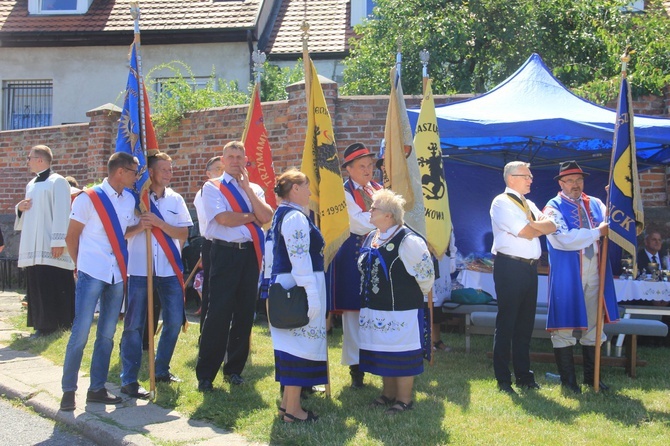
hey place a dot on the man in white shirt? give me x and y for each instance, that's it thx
(213, 169)
(168, 220)
(95, 240)
(517, 223)
(236, 210)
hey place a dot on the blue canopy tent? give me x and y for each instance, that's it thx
(530, 117)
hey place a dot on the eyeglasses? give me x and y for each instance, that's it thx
(372, 208)
(525, 177)
(136, 172)
(34, 157)
(573, 182)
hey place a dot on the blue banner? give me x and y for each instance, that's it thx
(130, 138)
(626, 214)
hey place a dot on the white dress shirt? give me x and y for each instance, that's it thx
(95, 256)
(175, 213)
(216, 203)
(507, 220)
(359, 220)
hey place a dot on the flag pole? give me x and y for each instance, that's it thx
(135, 13)
(625, 58)
(308, 85)
(424, 56)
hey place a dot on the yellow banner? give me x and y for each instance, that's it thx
(322, 166)
(397, 146)
(433, 183)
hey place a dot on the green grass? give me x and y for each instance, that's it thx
(456, 401)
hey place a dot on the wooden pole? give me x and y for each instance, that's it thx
(599, 313)
(135, 12)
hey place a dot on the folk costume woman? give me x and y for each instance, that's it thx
(300, 353)
(397, 271)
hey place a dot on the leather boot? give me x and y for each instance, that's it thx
(566, 368)
(356, 376)
(589, 355)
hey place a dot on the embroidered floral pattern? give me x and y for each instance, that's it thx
(424, 269)
(374, 279)
(309, 332)
(298, 244)
(380, 324)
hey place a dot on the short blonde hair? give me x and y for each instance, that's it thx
(388, 201)
(43, 152)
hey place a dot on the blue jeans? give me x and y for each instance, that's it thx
(170, 293)
(87, 294)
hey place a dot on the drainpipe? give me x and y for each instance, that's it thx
(250, 43)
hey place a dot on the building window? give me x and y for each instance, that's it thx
(27, 104)
(196, 83)
(47, 7)
(360, 10)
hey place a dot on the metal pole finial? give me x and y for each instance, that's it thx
(424, 56)
(258, 57)
(135, 10)
(625, 58)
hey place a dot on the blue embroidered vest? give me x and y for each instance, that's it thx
(385, 283)
(281, 262)
(566, 295)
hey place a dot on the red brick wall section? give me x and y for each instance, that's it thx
(82, 150)
(654, 187)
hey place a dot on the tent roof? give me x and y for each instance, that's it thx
(532, 117)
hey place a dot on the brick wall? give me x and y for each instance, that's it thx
(81, 150)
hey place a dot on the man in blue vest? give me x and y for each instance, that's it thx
(344, 279)
(574, 274)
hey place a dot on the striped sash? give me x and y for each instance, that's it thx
(169, 248)
(238, 204)
(112, 226)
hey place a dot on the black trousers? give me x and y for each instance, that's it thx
(233, 283)
(50, 296)
(516, 290)
(206, 266)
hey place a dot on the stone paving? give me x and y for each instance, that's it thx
(36, 381)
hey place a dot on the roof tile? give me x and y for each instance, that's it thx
(110, 15)
(329, 27)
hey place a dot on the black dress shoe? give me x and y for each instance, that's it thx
(234, 379)
(530, 385)
(169, 378)
(67, 403)
(356, 377)
(507, 388)
(134, 390)
(205, 385)
(102, 396)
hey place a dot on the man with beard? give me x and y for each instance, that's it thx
(574, 274)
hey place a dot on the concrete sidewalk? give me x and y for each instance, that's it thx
(36, 381)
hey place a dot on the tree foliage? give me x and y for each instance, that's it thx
(179, 95)
(476, 44)
(276, 79)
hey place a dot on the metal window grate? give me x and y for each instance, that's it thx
(27, 104)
